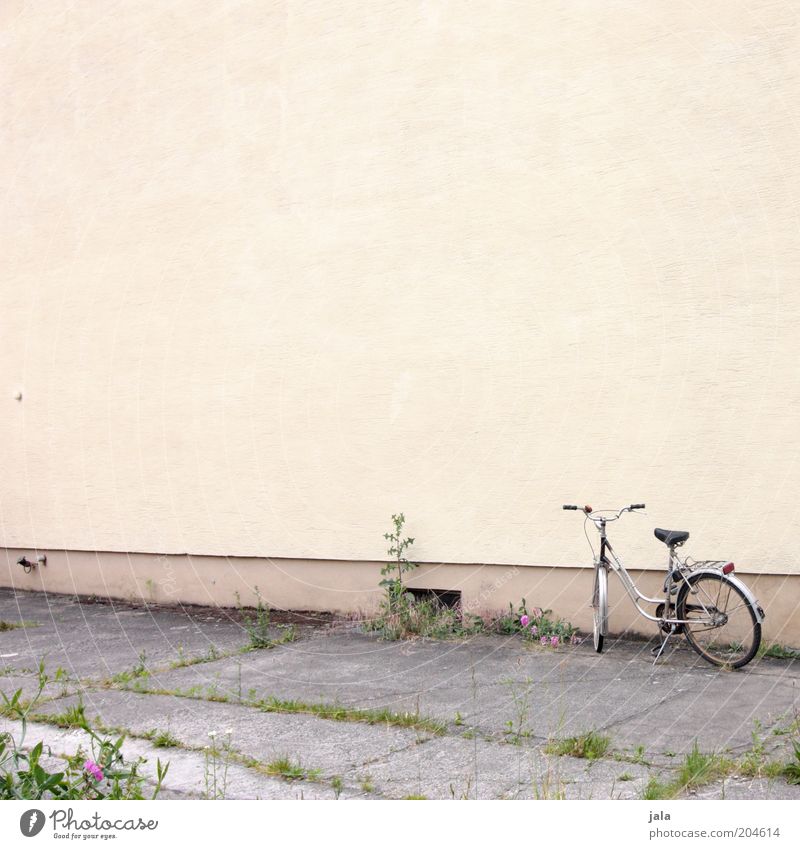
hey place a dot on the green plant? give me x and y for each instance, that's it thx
(394, 570)
(516, 728)
(101, 772)
(635, 757)
(164, 740)
(418, 797)
(402, 615)
(10, 626)
(284, 767)
(138, 671)
(792, 769)
(73, 716)
(337, 784)
(699, 768)
(778, 651)
(257, 624)
(656, 789)
(218, 755)
(537, 625)
(590, 745)
(626, 776)
(366, 784)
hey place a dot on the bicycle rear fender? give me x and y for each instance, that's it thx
(760, 615)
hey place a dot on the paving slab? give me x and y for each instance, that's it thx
(330, 746)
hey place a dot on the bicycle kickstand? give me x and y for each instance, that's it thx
(657, 652)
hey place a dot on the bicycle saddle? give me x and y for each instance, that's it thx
(671, 538)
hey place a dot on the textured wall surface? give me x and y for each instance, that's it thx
(271, 271)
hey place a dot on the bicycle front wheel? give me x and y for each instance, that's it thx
(721, 623)
(600, 606)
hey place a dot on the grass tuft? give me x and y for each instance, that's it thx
(590, 745)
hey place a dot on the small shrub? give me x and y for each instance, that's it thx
(256, 624)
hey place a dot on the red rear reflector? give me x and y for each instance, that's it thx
(727, 569)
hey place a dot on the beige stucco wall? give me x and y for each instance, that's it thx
(272, 271)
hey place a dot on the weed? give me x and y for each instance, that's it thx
(626, 776)
(516, 728)
(754, 762)
(366, 784)
(218, 755)
(73, 716)
(590, 745)
(394, 570)
(10, 626)
(459, 720)
(418, 797)
(337, 784)
(792, 769)
(138, 671)
(257, 624)
(699, 768)
(212, 654)
(164, 740)
(284, 767)
(104, 774)
(636, 757)
(779, 652)
(657, 789)
(537, 626)
(375, 716)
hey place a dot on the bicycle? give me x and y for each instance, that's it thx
(703, 600)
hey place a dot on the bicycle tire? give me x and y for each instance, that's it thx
(600, 606)
(733, 635)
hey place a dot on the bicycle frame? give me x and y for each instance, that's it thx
(616, 566)
(674, 566)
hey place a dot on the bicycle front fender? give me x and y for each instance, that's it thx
(745, 590)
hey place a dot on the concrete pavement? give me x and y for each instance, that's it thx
(365, 718)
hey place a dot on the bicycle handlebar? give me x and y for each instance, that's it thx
(587, 509)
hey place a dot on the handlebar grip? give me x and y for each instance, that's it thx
(637, 506)
(570, 507)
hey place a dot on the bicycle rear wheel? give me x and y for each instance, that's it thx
(722, 626)
(600, 606)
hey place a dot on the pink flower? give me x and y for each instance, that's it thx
(534, 631)
(554, 641)
(574, 639)
(537, 612)
(544, 641)
(523, 620)
(94, 770)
